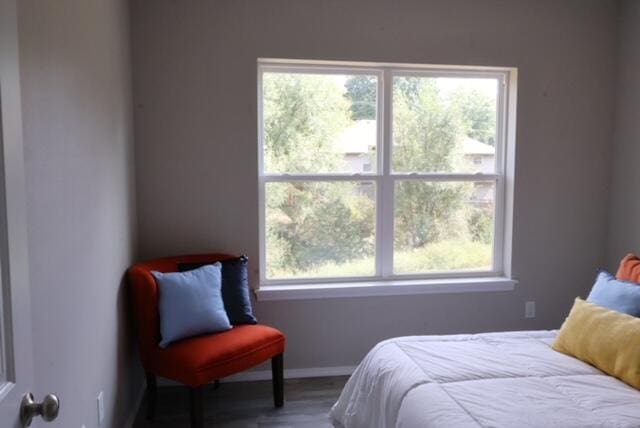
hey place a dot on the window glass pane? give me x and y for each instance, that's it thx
(320, 229)
(319, 123)
(444, 124)
(443, 226)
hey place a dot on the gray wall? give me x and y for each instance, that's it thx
(195, 124)
(78, 132)
(624, 227)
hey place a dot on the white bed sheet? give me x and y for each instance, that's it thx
(509, 379)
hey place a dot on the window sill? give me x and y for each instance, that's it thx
(384, 288)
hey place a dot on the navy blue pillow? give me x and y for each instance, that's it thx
(235, 288)
(621, 296)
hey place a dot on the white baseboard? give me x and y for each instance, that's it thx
(255, 375)
(131, 418)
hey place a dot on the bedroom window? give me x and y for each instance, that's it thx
(383, 172)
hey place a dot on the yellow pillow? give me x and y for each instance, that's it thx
(604, 338)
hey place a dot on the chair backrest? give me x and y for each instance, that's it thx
(143, 290)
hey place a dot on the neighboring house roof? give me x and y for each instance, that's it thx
(361, 136)
(475, 147)
(358, 138)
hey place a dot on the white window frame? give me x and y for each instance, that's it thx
(385, 179)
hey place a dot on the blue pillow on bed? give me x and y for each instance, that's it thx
(621, 296)
(190, 303)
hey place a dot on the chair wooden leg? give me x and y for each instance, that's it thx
(152, 395)
(277, 373)
(197, 406)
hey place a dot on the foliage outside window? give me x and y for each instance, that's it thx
(379, 172)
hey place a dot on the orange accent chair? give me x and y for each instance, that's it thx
(629, 269)
(199, 360)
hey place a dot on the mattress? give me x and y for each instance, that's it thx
(509, 379)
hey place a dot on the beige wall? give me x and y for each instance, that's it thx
(624, 218)
(195, 123)
(78, 136)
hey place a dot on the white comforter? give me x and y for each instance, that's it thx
(484, 380)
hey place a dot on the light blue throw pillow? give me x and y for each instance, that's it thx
(621, 296)
(191, 303)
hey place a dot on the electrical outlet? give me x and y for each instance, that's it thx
(530, 309)
(100, 408)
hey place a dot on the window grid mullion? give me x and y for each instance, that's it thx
(285, 178)
(385, 241)
(500, 167)
(272, 177)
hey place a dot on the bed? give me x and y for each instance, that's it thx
(509, 379)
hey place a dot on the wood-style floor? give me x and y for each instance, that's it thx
(250, 405)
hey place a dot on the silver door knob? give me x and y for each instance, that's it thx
(48, 409)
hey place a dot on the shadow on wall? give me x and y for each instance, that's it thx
(129, 379)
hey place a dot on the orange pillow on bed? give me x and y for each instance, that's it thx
(629, 269)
